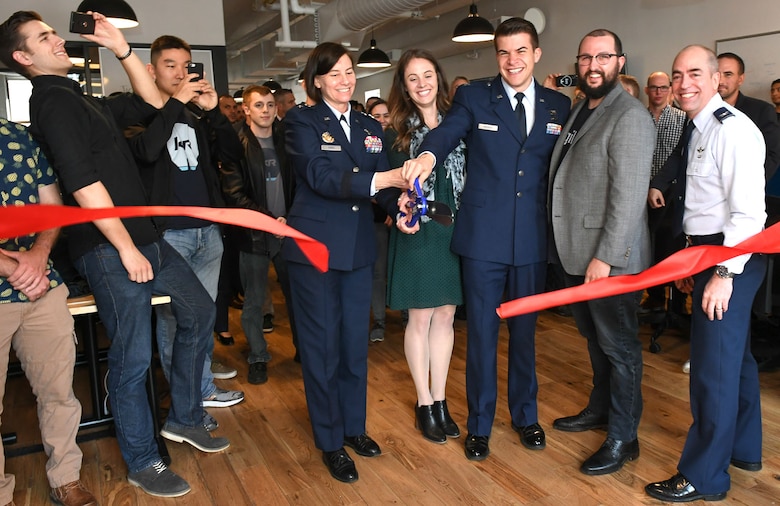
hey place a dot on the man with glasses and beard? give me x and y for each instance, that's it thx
(598, 184)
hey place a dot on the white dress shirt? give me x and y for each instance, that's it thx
(725, 179)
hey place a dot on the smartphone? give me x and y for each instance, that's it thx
(82, 23)
(195, 68)
(566, 81)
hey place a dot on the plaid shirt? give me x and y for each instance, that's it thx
(669, 127)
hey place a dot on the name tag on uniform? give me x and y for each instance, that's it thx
(488, 127)
(553, 129)
(330, 147)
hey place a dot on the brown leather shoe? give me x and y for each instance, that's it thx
(73, 494)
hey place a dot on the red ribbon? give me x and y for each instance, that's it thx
(682, 264)
(23, 220)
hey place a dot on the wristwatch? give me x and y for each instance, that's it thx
(723, 272)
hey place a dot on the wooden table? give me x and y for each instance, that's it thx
(86, 307)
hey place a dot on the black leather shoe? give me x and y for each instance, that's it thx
(532, 436)
(679, 489)
(340, 465)
(425, 421)
(585, 420)
(610, 457)
(443, 419)
(477, 447)
(363, 445)
(225, 340)
(747, 466)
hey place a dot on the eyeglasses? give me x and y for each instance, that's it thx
(656, 89)
(601, 59)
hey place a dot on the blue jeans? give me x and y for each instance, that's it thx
(124, 309)
(202, 250)
(611, 327)
(254, 278)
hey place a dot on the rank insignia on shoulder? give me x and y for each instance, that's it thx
(722, 113)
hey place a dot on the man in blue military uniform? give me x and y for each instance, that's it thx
(725, 172)
(510, 126)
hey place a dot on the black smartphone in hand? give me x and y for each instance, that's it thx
(566, 80)
(82, 23)
(195, 68)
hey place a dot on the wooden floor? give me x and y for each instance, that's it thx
(272, 459)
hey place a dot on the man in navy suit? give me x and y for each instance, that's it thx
(510, 126)
(732, 75)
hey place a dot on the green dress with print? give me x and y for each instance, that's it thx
(422, 272)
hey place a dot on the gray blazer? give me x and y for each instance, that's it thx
(598, 191)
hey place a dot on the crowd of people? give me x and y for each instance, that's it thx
(598, 188)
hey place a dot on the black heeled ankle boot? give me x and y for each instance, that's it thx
(425, 422)
(443, 419)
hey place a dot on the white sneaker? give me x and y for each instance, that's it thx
(223, 398)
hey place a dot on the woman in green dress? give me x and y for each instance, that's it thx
(423, 274)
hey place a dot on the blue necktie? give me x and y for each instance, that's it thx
(679, 205)
(520, 113)
(348, 130)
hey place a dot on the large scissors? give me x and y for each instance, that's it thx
(420, 206)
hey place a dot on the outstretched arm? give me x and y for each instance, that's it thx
(111, 37)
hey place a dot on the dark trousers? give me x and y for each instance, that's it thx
(485, 284)
(611, 327)
(665, 243)
(332, 314)
(724, 386)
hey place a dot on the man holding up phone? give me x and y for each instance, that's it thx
(124, 261)
(179, 167)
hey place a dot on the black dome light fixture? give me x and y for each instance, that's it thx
(118, 12)
(473, 28)
(373, 58)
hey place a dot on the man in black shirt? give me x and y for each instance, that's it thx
(124, 261)
(177, 150)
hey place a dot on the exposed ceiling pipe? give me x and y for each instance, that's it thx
(345, 17)
(285, 41)
(299, 9)
(357, 15)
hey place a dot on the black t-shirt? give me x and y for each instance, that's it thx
(188, 161)
(82, 138)
(580, 120)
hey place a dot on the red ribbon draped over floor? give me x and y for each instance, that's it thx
(23, 220)
(682, 264)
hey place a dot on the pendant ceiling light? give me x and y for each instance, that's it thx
(473, 28)
(118, 12)
(372, 57)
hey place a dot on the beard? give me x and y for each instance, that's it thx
(608, 81)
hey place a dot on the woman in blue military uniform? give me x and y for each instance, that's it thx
(339, 162)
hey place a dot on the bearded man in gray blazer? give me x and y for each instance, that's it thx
(598, 185)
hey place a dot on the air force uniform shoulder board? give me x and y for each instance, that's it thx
(722, 114)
